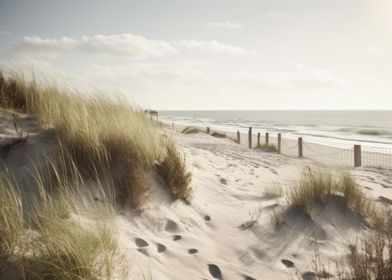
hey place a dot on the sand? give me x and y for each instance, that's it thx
(231, 230)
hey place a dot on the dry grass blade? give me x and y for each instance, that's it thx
(315, 186)
(11, 219)
(101, 136)
(172, 169)
(273, 191)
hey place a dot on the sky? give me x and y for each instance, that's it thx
(209, 54)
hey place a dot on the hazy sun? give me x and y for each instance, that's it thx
(378, 11)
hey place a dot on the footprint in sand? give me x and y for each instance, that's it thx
(223, 181)
(309, 275)
(161, 248)
(207, 218)
(287, 263)
(192, 251)
(176, 237)
(141, 242)
(215, 271)
(171, 225)
(246, 277)
(143, 251)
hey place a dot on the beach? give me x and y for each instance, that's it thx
(239, 223)
(231, 223)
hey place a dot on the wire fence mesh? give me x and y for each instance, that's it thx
(377, 157)
(325, 153)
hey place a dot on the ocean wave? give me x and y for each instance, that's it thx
(345, 138)
(372, 132)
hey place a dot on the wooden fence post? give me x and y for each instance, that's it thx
(279, 143)
(258, 139)
(300, 150)
(357, 156)
(266, 138)
(250, 138)
(208, 130)
(172, 125)
(238, 137)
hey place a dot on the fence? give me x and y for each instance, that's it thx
(346, 155)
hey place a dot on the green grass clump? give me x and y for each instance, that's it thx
(172, 169)
(315, 186)
(191, 130)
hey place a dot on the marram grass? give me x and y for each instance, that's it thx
(102, 136)
(67, 234)
(315, 186)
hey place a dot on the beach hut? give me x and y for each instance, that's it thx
(152, 113)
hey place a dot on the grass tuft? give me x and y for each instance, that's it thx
(315, 186)
(11, 220)
(273, 191)
(67, 233)
(172, 169)
(102, 136)
(369, 258)
(191, 130)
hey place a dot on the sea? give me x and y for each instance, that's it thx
(371, 128)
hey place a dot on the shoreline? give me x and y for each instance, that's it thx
(371, 137)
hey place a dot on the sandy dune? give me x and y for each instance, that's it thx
(229, 231)
(232, 230)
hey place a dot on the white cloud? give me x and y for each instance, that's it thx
(277, 14)
(133, 46)
(195, 74)
(198, 84)
(209, 46)
(372, 49)
(115, 45)
(225, 25)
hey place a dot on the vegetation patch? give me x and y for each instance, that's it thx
(172, 169)
(191, 130)
(67, 234)
(273, 191)
(315, 186)
(101, 136)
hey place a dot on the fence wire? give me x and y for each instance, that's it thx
(377, 157)
(320, 152)
(337, 156)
